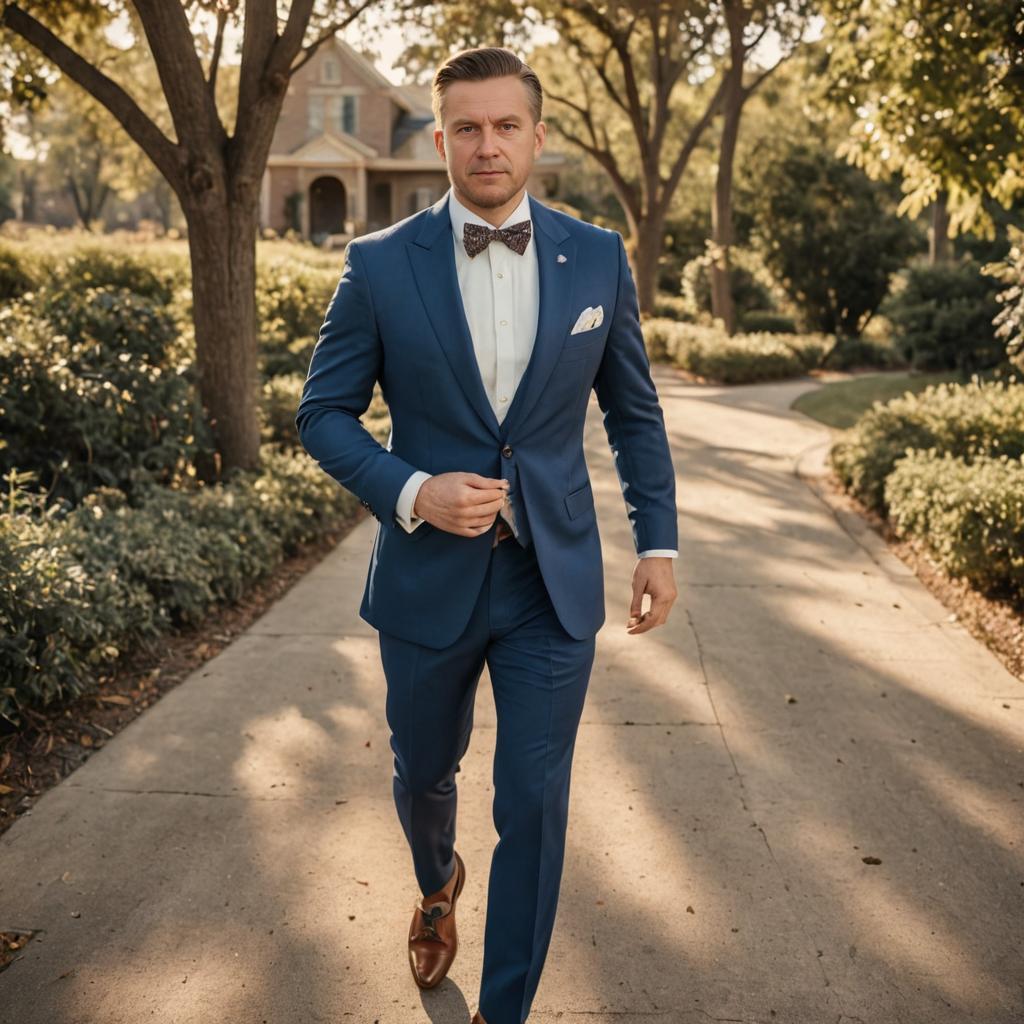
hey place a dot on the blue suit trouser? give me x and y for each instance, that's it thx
(539, 674)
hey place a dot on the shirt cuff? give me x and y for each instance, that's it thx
(658, 552)
(407, 501)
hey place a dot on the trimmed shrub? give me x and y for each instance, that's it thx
(102, 267)
(767, 321)
(81, 585)
(98, 401)
(942, 318)
(857, 353)
(19, 273)
(709, 352)
(674, 306)
(970, 515)
(969, 421)
(280, 401)
(291, 303)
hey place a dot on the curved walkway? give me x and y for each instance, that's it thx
(800, 802)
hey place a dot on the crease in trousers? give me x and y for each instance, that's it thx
(539, 674)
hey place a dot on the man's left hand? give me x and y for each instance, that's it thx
(652, 576)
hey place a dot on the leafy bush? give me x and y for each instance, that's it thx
(749, 281)
(291, 303)
(861, 352)
(674, 306)
(767, 321)
(942, 318)
(81, 585)
(709, 352)
(969, 421)
(970, 515)
(89, 267)
(19, 273)
(100, 404)
(279, 403)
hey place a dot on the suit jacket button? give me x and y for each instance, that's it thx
(507, 451)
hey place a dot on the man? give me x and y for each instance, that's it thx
(487, 344)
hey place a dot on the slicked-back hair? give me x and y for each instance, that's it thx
(478, 64)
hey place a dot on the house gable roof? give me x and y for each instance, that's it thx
(332, 146)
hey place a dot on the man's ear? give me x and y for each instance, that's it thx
(439, 143)
(540, 133)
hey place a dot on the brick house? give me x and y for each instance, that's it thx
(353, 153)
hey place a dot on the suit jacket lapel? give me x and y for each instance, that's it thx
(433, 263)
(432, 256)
(556, 283)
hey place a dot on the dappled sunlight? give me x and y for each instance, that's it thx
(883, 914)
(976, 805)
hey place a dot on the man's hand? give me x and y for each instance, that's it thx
(654, 576)
(461, 503)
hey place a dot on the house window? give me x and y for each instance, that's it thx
(316, 113)
(348, 113)
(341, 113)
(330, 71)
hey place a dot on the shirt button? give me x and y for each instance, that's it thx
(504, 323)
(500, 274)
(504, 398)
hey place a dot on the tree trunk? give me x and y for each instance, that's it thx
(222, 250)
(938, 235)
(646, 244)
(722, 306)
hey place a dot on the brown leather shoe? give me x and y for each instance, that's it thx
(433, 939)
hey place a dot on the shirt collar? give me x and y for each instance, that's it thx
(461, 215)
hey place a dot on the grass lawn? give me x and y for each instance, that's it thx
(840, 403)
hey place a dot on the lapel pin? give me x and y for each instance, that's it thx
(561, 258)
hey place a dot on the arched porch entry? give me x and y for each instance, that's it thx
(327, 207)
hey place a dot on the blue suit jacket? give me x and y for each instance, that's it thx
(397, 316)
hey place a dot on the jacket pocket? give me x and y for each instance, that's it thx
(578, 501)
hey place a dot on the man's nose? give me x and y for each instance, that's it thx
(488, 141)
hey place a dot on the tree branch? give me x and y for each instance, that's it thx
(332, 30)
(173, 46)
(165, 154)
(218, 43)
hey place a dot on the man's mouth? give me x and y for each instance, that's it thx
(489, 174)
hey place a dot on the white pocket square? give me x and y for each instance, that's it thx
(592, 316)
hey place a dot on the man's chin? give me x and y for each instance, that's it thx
(491, 192)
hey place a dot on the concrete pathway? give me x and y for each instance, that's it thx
(234, 855)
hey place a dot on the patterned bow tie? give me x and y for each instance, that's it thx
(476, 237)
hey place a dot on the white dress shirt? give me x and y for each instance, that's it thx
(501, 296)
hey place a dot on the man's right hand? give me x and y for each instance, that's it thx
(461, 503)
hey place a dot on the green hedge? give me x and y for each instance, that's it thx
(970, 515)
(95, 392)
(981, 418)
(81, 585)
(709, 352)
(942, 317)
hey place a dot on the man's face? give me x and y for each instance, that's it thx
(489, 141)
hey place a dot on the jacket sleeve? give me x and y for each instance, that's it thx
(345, 365)
(635, 424)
